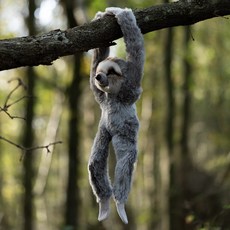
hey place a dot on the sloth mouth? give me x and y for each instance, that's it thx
(102, 85)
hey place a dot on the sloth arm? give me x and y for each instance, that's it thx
(99, 54)
(134, 44)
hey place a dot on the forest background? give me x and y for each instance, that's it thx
(48, 119)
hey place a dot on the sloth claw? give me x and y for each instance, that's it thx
(104, 210)
(121, 212)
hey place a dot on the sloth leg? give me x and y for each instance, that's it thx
(126, 154)
(98, 172)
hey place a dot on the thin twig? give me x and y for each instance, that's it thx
(18, 100)
(20, 83)
(25, 149)
(12, 143)
(10, 116)
(7, 105)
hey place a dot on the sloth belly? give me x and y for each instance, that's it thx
(121, 121)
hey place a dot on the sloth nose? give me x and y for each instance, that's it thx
(98, 77)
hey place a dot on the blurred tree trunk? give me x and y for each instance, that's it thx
(28, 136)
(175, 206)
(187, 97)
(73, 203)
(174, 194)
(186, 162)
(28, 139)
(169, 90)
(180, 163)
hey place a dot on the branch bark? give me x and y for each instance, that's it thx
(45, 48)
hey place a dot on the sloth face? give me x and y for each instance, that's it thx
(108, 77)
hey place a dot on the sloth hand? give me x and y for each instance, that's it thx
(116, 10)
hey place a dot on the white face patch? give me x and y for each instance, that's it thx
(109, 72)
(107, 65)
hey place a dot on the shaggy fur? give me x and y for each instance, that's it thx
(116, 85)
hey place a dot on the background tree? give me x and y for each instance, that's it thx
(73, 201)
(28, 133)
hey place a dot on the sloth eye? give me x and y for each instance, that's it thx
(111, 71)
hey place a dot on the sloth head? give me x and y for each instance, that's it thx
(108, 76)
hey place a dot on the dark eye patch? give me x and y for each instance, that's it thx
(112, 71)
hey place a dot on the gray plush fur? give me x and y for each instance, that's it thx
(119, 122)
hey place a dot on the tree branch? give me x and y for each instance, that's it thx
(44, 49)
(25, 150)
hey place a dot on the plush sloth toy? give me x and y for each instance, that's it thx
(116, 85)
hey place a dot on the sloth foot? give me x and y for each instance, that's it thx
(104, 210)
(121, 212)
